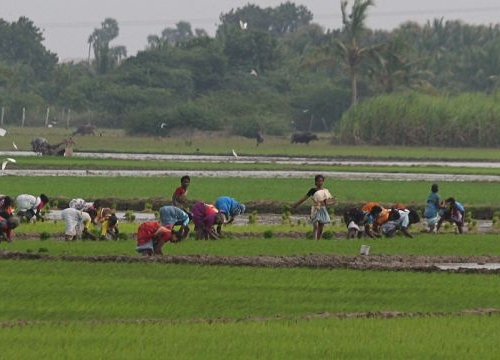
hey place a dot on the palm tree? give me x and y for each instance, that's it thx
(350, 49)
(105, 57)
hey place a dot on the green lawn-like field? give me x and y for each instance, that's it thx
(282, 190)
(59, 309)
(446, 243)
(220, 143)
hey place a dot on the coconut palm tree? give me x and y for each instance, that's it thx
(350, 50)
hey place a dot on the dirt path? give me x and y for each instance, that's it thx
(319, 261)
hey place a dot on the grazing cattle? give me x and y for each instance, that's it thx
(259, 137)
(305, 137)
(41, 146)
(85, 130)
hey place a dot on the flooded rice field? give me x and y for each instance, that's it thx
(320, 161)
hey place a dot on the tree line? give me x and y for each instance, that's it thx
(267, 69)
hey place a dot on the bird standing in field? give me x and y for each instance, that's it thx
(6, 161)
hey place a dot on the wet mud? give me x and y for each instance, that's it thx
(412, 263)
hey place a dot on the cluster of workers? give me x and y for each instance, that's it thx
(207, 218)
(371, 219)
(77, 216)
(172, 225)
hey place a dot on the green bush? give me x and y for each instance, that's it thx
(268, 234)
(44, 235)
(327, 235)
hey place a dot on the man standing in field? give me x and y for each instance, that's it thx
(432, 207)
(179, 197)
(321, 198)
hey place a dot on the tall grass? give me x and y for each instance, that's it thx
(412, 119)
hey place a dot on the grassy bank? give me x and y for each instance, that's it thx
(109, 140)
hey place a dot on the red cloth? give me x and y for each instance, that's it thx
(147, 229)
(180, 191)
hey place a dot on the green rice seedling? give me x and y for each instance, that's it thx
(268, 234)
(327, 235)
(45, 235)
(286, 218)
(470, 222)
(129, 216)
(148, 207)
(311, 337)
(69, 291)
(423, 244)
(496, 219)
(253, 218)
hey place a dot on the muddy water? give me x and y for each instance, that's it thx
(263, 219)
(258, 174)
(12, 171)
(458, 266)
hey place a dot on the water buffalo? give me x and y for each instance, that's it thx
(87, 129)
(259, 137)
(41, 146)
(304, 137)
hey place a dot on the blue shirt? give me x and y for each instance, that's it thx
(225, 204)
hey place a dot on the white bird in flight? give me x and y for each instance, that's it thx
(14, 145)
(6, 161)
(243, 25)
(234, 154)
(163, 125)
(253, 72)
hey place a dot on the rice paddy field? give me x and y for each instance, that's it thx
(260, 292)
